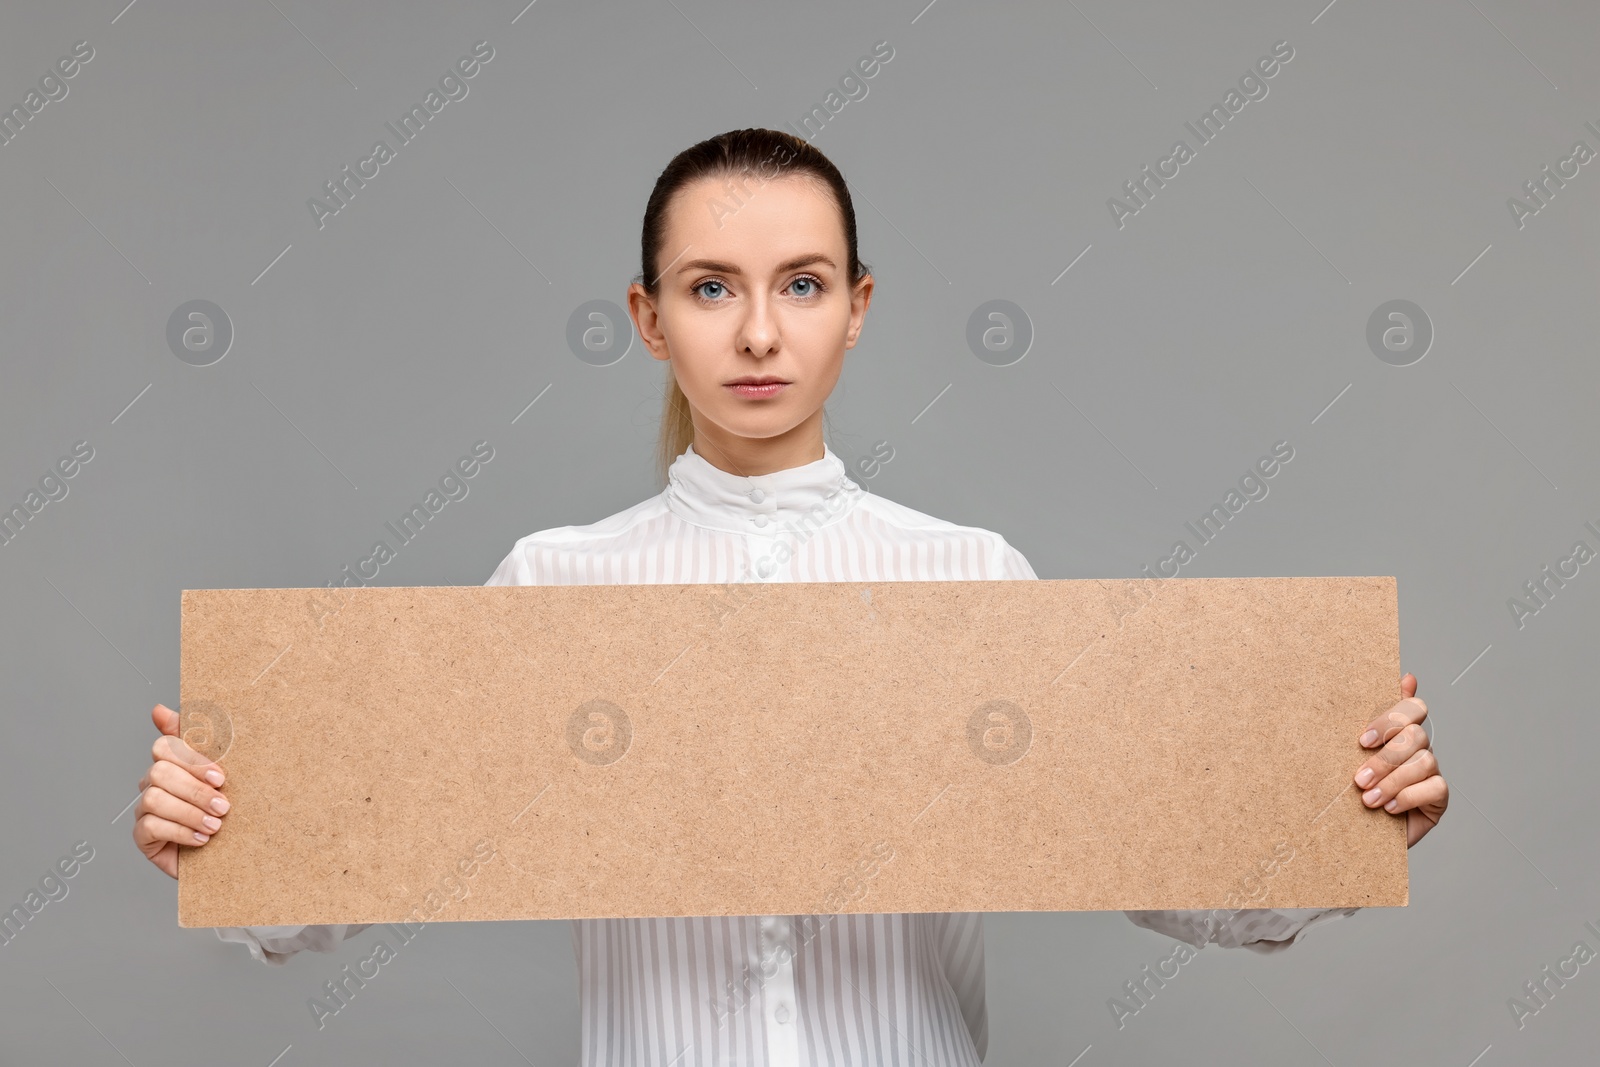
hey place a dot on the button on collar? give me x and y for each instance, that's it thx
(805, 497)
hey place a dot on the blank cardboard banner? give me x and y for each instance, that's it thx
(542, 752)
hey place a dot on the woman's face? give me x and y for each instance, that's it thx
(754, 286)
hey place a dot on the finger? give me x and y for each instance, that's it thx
(1422, 764)
(1400, 748)
(163, 854)
(186, 787)
(173, 749)
(153, 828)
(1427, 813)
(1431, 796)
(166, 857)
(1408, 685)
(158, 801)
(165, 718)
(1409, 710)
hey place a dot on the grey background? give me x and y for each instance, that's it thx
(1229, 314)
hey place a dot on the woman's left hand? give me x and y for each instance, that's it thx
(1403, 775)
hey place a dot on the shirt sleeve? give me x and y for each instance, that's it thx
(1257, 929)
(513, 570)
(1010, 564)
(275, 944)
(960, 941)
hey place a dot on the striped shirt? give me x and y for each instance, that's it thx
(783, 990)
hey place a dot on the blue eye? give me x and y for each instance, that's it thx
(815, 284)
(813, 287)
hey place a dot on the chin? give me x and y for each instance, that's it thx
(757, 429)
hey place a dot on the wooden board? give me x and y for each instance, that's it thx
(536, 752)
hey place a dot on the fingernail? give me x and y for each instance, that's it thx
(1371, 796)
(1364, 777)
(212, 822)
(219, 805)
(1366, 738)
(1395, 803)
(200, 837)
(214, 777)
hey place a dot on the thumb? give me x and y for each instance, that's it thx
(1408, 686)
(165, 718)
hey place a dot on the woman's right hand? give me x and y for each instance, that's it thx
(179, 803)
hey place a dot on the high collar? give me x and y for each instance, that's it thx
(813, 494)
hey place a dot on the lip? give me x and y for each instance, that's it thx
(757, 387)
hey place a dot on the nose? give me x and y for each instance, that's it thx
(758, 333)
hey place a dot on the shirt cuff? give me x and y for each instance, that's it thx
(275, 944)
(1258, 929)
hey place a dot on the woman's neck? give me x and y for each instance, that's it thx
(749, 457)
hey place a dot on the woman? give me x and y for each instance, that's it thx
(752, 291)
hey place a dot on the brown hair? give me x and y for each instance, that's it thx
(766, 154)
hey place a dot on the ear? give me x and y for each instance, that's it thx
(642, 309)
(860, 300)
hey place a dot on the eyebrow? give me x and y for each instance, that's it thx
(728, 268)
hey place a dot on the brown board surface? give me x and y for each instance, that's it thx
(536, 752)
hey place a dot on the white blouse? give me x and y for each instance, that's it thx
(783, 990)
